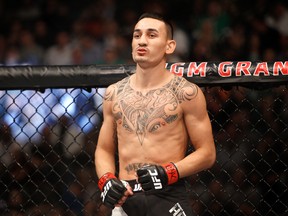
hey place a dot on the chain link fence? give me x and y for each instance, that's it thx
(48, 138)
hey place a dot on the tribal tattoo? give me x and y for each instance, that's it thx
(132, 168)
(146, 113)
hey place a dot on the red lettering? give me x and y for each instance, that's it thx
(193, 69)
(278, 66)
(244, 68)
(176, 69)
(261, 68)
(225, 69)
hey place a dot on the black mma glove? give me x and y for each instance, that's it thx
(112, 189)
(156, 177)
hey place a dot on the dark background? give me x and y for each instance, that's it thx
(48, 137)
(99, 31)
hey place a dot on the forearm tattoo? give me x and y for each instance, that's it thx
(146, 113)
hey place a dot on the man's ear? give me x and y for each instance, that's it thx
(170, 47)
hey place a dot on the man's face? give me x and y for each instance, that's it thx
(149, 42)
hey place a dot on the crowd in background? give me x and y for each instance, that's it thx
(67, 32)
(57, 172)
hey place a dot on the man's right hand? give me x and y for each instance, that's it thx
(112, 189)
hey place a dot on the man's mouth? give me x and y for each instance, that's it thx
(141, 51)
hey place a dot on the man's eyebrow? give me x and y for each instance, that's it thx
(149, 30)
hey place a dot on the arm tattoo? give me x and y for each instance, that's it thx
(110, 93)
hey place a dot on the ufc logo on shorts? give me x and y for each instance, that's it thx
(106, 189)
(156, 182)
(177, 210)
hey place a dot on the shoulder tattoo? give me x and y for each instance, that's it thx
(184, 90)
(110, 93)
(115, 89)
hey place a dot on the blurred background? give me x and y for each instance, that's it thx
(48, 138)
(99, 31)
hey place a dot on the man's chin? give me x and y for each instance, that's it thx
(139, 59)
(142, 61)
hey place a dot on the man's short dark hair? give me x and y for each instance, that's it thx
(161, 18)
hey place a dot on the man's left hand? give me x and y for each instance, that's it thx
(156, 177)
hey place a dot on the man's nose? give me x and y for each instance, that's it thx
(142, 41)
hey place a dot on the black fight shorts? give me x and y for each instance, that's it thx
(173, 200)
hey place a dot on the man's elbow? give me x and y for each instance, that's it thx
(211, 158)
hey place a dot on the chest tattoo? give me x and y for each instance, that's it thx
(146, 113)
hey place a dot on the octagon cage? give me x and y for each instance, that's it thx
(50, 118)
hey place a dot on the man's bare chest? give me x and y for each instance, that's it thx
(148, 111)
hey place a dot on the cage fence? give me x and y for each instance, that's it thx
(48, 139)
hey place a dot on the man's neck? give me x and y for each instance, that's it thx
(151, 78)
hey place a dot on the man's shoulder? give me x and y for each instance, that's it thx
(184, 89)
(182, 82)
(118, 87)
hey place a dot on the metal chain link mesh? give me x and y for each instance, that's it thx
(47, 143)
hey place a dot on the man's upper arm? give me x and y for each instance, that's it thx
(199, 129)
(198, 122)
(106, 145)
(108, 129)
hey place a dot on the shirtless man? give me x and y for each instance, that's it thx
(149, 117)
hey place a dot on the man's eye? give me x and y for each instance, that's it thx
(136, 36)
